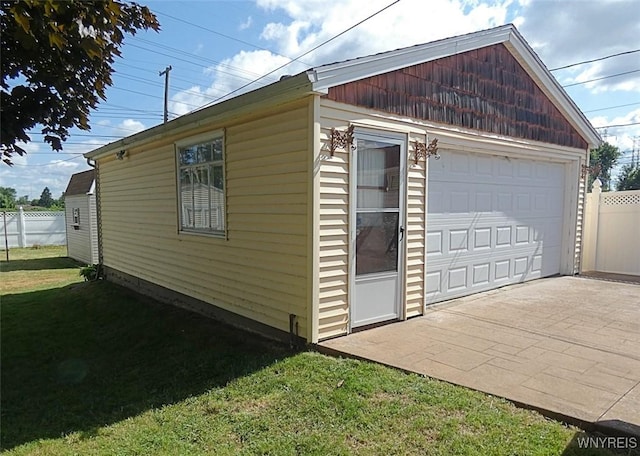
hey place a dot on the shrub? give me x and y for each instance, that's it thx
(89, 272)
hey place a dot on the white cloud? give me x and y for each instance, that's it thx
(246, 24)
(403, 24)
(247, 66)
(31, 174)
(31, 179)
(128, 127)
(621, 137)
(591, 76)
(310, 22)
(187, 100)
(566, 32)
(41, 167)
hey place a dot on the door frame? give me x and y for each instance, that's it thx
(394, 138)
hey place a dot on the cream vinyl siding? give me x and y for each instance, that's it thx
(577, 264)
(334, 220)
(260, 270)
(415, 245)
(82, 243)
(333, 302)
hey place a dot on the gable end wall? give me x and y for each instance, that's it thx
(485, 89)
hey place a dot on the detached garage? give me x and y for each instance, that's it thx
(353, 193)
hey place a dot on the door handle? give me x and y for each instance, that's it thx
(401, 233)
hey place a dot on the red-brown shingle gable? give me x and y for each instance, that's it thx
(484, 89)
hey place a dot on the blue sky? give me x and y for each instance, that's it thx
(215, 47)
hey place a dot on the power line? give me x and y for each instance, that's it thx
(198, 57)
(153, 96)
(124, 116)
(159, 84)
(188, 81)
(187, 61)
(619, 125)
(48, 164)
(595, 60)
(136, 92)
(81, 134)
(255, 46)
(305, 53)
(603, 77)
(125, 107)
(55, 153)
(612, 107)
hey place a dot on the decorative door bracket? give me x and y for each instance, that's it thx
(424, 150)
(593, 169)
(340, 139)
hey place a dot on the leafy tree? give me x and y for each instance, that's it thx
(22, 201)
(602, 161)
(58, 204)
(46, 200)
(57, 58)
(7, 198)
(629, 178)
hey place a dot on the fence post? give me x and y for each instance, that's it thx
(592, 227)
(6, 235)
(22, 229)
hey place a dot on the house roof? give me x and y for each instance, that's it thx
(80, 183)
(334, 74)
(319, 79)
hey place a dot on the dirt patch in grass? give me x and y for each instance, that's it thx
(37, 269)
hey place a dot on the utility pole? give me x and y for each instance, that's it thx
(166, 92)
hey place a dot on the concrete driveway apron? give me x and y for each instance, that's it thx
(567, 346)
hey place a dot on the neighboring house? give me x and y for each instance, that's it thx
(81, 219)
(332, 218)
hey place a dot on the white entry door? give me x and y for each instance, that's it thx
(492, 220)
(377, 229)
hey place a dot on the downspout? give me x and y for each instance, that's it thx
(99, 268)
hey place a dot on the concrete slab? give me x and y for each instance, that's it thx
(567, 346)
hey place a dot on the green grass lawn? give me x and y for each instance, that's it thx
(92, 368)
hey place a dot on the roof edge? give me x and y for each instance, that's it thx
(334, 74)
(286, 89)
(339, 73)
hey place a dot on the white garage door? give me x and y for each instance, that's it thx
(492, 221)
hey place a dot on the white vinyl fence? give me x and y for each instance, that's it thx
(612, 231)
(26, 229)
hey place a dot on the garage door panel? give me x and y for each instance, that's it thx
(492, 235)
(491, 198)
(447, 282)
(491, 221)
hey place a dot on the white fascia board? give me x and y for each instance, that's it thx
(93, 188)
(274, 94)
(334, 74)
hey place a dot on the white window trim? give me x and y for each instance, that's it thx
(191, 141)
